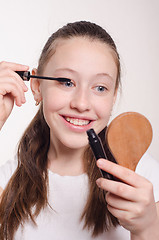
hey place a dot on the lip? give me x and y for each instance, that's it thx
(77, 128)
(78, 117)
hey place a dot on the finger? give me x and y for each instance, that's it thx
(7, 72)
(126, 175)
(118, 202)
(119, 214)
(9, 76)
(14, 77)
(15, 90)
(8, 69)
(21, 82)
(14, 66)
(119, 189)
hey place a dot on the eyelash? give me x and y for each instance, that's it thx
(68, 84)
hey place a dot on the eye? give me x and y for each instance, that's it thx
(68, 84)
(100, 88)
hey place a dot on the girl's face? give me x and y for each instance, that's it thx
(70, 109)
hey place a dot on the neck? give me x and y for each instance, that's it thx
(65, 161)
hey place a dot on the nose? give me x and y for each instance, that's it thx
(81, 101)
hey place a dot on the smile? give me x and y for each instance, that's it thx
(77, 122)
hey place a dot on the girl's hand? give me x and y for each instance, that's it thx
(12, 88)
(131, 201)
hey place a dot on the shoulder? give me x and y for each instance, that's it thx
(148, 167)
(6, 171)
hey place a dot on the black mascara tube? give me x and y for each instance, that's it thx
(98, 150)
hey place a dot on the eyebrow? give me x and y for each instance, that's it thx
(73, 71)
(105, 75)
(65, 69)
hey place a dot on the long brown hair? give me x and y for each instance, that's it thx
(28, 187)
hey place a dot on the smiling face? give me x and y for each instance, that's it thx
(70, 109)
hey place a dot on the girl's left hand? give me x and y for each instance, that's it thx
(131, 201)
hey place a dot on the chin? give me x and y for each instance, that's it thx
(75, 143)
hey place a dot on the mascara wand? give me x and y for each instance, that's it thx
(25, 75)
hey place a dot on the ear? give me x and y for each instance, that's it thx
(35, 87)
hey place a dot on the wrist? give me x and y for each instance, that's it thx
(151, 232)
(1, 124)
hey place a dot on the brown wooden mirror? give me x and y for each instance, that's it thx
(128, 137)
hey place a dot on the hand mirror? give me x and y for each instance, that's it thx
(128, 137)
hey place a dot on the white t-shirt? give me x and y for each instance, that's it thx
(67, 197)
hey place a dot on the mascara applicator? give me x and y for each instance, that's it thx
(25, 75)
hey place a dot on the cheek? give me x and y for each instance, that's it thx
(53, 101)
(52, 104)
(104, 108)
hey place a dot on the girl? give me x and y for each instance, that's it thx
(54, 190)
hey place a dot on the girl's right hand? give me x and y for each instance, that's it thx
(12, 88)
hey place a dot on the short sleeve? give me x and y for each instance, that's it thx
(6, 171)
(148, 167)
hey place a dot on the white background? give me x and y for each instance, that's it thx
(25, 25)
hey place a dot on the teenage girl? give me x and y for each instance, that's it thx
(53, 189)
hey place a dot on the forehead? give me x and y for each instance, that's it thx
(80, 43)
(82, 52)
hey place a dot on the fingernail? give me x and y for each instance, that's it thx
(100, 163)
(98, 182)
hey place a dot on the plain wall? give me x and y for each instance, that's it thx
(25, 25)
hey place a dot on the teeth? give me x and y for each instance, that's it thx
(77, 122)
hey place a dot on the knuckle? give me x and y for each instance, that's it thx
(146, 201)
(124, 216)
(149, 186)
(5, 71)
(9, 72)
(107, 197)
(13, 78)
(139, 211)
(14, 89)
(2, 92)
(3, 63)
(127, 173)
(147, 194)
(13, 84)
(120, 189)
(102, 183)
